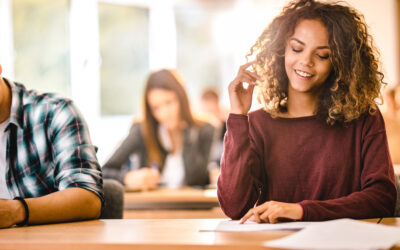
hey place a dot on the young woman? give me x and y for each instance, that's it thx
(173, 148)
(318, 150)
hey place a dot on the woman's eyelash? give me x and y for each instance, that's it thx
(296, 50)
(299, 50)
(323, 57)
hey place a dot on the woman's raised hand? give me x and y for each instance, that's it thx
(240, 97)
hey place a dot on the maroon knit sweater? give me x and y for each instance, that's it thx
(332, 172)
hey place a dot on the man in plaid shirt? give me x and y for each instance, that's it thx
(48, 166)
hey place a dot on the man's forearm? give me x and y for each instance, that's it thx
(66, 205)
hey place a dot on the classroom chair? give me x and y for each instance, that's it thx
(113, 200)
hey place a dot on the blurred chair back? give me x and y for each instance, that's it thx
(113, 200)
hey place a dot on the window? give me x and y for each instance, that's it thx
(124, 53)
(41, 44)
(197, 54)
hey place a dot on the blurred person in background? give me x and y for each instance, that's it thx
(216, 114)
(391, 116)
(391, 104)
(212, 111)
(392, 121)
(173, 148)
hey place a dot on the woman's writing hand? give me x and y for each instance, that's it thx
(272, 211)
(240, 97)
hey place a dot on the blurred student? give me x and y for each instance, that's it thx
(48, 166)
(213, 112)
(210, 105)
(173, 148)
(392, 122)
(391, 103)
(318, 149)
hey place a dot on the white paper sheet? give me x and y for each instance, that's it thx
(248, 226)
(341, 234)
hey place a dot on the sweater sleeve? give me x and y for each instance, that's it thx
(377, 195)
(113, 167)
(238, 189)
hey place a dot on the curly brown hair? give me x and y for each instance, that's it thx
(353, 86)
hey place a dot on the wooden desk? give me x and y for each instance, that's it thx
(210, 213)
(170, 234)
(179, 234)
(185, 198)
(391, 221)
(186, 203)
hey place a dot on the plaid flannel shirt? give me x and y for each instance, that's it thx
(48, 147)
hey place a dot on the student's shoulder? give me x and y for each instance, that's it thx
(371, 122)
(205, 125)
(202, 126)
(37, 99)
(136, 127)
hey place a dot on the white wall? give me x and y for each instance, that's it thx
(381, 17)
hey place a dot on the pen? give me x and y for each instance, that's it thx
(155, 166)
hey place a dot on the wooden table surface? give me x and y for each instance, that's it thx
(391, 221)
(209, 213)
(184, 198)
(179, 234)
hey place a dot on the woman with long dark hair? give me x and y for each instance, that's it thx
(173, 148)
